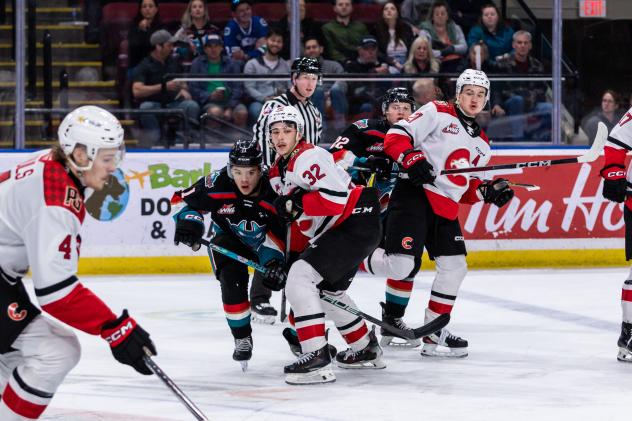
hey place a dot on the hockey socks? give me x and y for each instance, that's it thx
(397, 296)
(238, 318)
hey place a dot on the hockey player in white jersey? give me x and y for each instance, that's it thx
(616, 187)
(424, 206)
(41, 212)
(342, 223)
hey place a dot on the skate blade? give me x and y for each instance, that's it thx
(323, 375)
(433, 351)
(264, 320)
(395, 342)
(376, 364)
(244, 366)
(624, 355)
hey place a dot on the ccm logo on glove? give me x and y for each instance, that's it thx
(613, 174)
(120, 333)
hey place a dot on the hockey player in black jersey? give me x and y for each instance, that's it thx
(239, 199)
(361, 145)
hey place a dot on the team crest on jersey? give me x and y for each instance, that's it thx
(72, 198)
(208, 181)
(407, 243)
(452, 128)
(362, 124)
(14, 314)
(376, 147)
(227, 209)
(459, 158)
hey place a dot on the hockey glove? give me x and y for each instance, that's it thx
(376, 164)
(189, 228)
(275, 276)
(614, 184)
(127, 340)
(290, 206)
(419, 170)
(497, 192)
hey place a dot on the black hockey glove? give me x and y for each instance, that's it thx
(419, 170)
(614, 182)
(290, 207)
(497, 192)
(127, 340)
(189, 228)
(275, 276)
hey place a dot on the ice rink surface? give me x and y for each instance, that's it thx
(542, 347)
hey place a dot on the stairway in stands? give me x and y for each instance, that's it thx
(82, 61)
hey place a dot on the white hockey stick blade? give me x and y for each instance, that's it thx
(597, 146)
(528, 187)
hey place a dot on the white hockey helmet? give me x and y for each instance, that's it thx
(473, 77)
(288, 114)
(94, 128)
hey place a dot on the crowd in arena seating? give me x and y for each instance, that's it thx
(414, 37)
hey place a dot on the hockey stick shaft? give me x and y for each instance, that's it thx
(188, 403)
(425, 330)
(288, 239)
(590, 156)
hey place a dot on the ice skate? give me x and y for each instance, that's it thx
(444, 344)
(295, 345)
(388, 339)
(311, 368)
(625, 343)
(263, 313)
(243, 351)
(368, 357)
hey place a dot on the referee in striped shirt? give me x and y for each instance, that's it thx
(305, 75)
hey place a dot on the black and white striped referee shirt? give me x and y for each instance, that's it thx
(312, 117)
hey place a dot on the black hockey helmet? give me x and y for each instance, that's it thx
(399, 94)
(308, 65)
(245, 153)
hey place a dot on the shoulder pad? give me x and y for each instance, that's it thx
(445, 107)
(60, 190)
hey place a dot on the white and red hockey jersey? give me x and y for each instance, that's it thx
(436, 130)
(331, 194)
(619, 143)
(41, 212)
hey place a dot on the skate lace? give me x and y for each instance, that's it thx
(244, 344)
(445, 334)
(264, 305)
(303, 358)
(399, 323)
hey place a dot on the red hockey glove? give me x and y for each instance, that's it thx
(127, 340)
(419, 170)
(614, 184)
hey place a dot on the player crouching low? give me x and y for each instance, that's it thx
(343, 224)
(239, 198)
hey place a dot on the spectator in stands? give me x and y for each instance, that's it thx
(448, 41)
(492, 32)
(331, 95)
(195, 26)
(343, 35)
(364, 96)
(466, 13)
(393, 35)
(478, 58)
(309, 28)
(147, 86)
(608, 113)
(268, 64)
(413, 11)
(217, 98)
(519, 98)
(420, 58)
(425, 90)
(146, 22)
(245, 34)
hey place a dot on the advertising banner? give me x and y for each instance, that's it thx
(132, 216)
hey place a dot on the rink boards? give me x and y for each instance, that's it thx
(566, 223)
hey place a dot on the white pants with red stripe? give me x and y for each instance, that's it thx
(451, 271)
(626, 299)
(309, 311)
(45, 353)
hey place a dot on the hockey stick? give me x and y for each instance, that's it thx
(528, 187)
(151, 364)
(288, 238)
(425, 330)
(590, 156)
